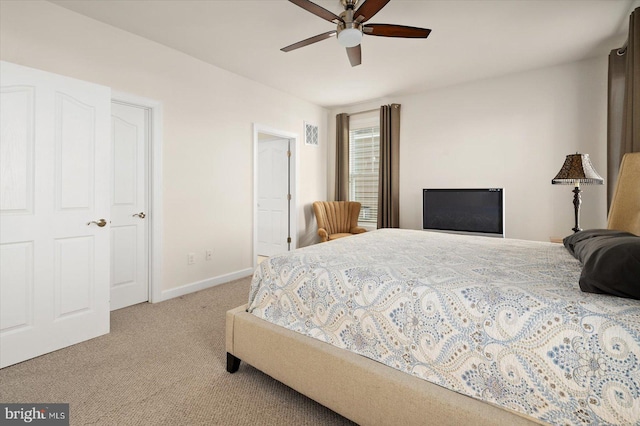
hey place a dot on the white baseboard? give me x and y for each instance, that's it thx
(201, 285)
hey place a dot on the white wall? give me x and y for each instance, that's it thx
(208, 130)
(512, 132)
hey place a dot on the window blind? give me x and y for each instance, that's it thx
(364, 164)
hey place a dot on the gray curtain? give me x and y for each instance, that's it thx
(389, 177)
(623, 133)
(342, 157)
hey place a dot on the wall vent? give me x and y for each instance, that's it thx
(311, 134)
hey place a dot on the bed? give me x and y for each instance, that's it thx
(415, 327)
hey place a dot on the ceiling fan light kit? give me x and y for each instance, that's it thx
(351, 26)
(349, 32)
(350, 37)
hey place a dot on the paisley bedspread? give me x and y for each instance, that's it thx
(499, 320)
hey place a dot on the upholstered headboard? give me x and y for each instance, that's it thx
(624, 214)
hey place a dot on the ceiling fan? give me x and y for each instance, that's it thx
(351, 26)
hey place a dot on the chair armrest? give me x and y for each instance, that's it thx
(357, 230)
(324, 235)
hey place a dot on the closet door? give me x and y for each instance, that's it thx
(129, 206)
(54, 212)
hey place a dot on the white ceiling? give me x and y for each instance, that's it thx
(470, 40)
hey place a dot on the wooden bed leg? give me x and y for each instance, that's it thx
(233, 363)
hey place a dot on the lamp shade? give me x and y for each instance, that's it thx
(577, 168)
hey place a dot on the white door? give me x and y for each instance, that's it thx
(54, 263)
(129, 207)
(273, 190)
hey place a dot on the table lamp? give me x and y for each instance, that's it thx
(577, 169)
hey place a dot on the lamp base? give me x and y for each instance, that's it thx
(577, 200)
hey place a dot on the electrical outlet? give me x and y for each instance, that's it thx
(191, 258)
(208, 254)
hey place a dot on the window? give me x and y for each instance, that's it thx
(364, 164)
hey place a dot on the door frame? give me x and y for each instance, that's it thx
(293, 205)
(154, 149)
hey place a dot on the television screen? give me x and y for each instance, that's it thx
(464, 210)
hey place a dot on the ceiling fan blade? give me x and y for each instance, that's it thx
(389, 30)
(368, 9)
(309, 41)
(355, 55)
(317, 10)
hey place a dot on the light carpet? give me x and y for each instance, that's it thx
(162, 364)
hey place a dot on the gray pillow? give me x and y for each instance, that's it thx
(610, 259)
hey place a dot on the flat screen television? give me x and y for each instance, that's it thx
(472, 211)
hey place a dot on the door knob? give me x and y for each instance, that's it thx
(141, 215)
(100, 222)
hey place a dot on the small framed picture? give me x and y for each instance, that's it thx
(311, 134)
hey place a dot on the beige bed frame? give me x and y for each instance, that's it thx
(368, 392)
(362, 390)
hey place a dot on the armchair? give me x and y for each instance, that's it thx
(337, 219)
